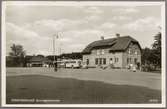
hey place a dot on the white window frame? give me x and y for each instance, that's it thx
(98, 52)
(102, 51)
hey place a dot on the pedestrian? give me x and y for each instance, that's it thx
(134, 68)
(55, 66)
(131, 66)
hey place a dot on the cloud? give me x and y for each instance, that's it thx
(93, 13)
(18, 31)
(129, 10)
(36, 43)
(93, 10)
(122, 18)
(80, 39)
(30, 40)
(64, 39)
(77, 47)
(143, 24)
(48, 27)
(34, 28)
(93, 18)
(107, 25)
(37, 37)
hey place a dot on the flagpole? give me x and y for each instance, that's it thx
(53, 51)
(55, 60)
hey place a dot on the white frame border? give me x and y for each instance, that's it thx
(81, 3)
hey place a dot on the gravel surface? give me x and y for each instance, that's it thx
(114, 76)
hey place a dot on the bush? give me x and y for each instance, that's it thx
(148, 67)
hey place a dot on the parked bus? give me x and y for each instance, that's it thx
(74, 63)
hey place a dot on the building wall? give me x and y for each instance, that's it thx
(132, 53)
(95, 55)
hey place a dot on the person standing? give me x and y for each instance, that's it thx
(55, 65)
(111, 63)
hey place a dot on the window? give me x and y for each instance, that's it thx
(87, 61)
(98, 52)
(100, 59)
(104, 61)
(116, 60)
(102, 51)
(73, 62)
(136, 52)
(135, 60)
(130, 51)
(96, 61)
(111, 62)
(128, 61)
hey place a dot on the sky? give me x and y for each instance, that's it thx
(34, 26)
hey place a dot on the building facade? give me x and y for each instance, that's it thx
(119, 52)
(37, 61)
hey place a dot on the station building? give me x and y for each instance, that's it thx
(120, 51)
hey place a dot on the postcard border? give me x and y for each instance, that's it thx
(3, 54)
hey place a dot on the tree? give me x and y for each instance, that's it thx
(157, 42)
(157, 49)
(17, 51)
(146, 54)
(17, 54)
(40, 55)
(151, 57)
(148, 59)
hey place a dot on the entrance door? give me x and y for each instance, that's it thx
(100, 61)
(111, 61)
(87, 61)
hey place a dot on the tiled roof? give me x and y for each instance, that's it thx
(114, 44)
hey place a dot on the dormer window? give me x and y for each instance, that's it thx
(102, 51)
(98, 52)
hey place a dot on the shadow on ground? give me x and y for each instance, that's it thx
(38, 89)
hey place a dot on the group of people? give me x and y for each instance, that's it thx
(133, 67)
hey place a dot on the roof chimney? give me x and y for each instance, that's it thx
(117, 35)
(102, 37)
